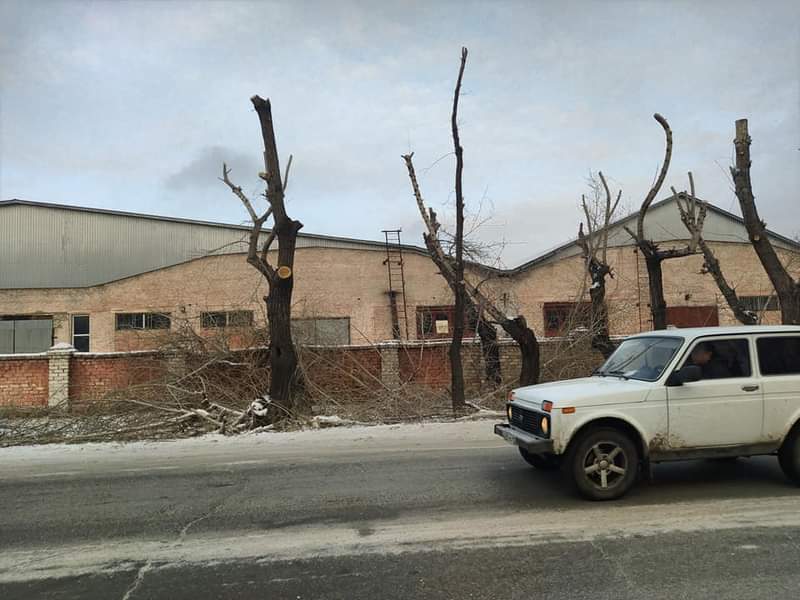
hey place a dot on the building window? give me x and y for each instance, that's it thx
(236, 318)
(22, 334)
(143, 321)
(80, 332)
(562, 317)
(759, 304)
(437, 322)
(334, 331)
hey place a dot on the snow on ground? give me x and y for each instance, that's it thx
(256, 448)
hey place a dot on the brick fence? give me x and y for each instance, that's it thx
(65, 378)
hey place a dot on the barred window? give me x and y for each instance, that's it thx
(562, 317)
(438, 321)
(142, 321)
(236, 318)
(759, 303)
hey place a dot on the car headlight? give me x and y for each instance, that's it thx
(508, 412)
(545, 425)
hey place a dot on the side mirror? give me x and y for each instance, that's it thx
(687, 374)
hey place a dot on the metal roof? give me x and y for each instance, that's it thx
(664, 226)
(46, 245)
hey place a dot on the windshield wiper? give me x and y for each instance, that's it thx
(617, 374)
(599, 371)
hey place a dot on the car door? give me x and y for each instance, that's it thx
(724, 408)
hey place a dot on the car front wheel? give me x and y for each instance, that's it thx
(603, 464)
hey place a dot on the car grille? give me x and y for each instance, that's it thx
(527, 420)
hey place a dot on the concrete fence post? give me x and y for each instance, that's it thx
(58, 358)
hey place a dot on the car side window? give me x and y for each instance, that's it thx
(721, 359)
(779, 355)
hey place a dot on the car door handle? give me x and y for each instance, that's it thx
(749, 388)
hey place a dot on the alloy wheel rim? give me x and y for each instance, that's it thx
(605, 465)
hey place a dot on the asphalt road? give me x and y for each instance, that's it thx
(443, 511)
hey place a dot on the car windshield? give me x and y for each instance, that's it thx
(641, 358)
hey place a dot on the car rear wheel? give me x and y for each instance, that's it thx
(789, 456)
(543, 462)
(603, 464)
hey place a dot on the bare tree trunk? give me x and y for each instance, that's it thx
(658, 306)
(456, 367)
(284, 375)
(601, 340)
(711, 264)
(489, 348)
(519, 331)
(787, 289)
(285, 378)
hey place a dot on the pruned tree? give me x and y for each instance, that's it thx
(653, 255)
(693, 215)
(594, 248)
(284, 374)
(517, 327)
(787, 289)
(452, 267)
(457, 285)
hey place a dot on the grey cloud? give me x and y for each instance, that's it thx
(205, 169)
(552, 90)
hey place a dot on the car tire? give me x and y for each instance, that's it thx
(789, 456)
(543, 462)
(603, 463)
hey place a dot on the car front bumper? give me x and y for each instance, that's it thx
(530, 442)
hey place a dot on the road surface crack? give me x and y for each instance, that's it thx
(615, 565)
(138, 581)
(148, 566)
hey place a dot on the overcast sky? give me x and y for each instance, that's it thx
(134, 105)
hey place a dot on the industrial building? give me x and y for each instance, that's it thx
(104, 280)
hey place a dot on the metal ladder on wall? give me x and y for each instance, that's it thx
(397, 283)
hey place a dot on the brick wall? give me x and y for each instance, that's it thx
(345, 372)
(352, 283)
(23, 381)
(94, 377)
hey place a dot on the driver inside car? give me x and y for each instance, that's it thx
(711, 365)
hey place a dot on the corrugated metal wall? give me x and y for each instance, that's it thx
(48, 246)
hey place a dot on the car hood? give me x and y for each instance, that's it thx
(587, 391)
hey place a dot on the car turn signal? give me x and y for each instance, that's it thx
(547, 406)
(568, 410)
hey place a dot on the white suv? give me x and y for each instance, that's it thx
(665, 395)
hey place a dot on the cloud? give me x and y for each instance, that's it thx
(205, 170)
(135, 106)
